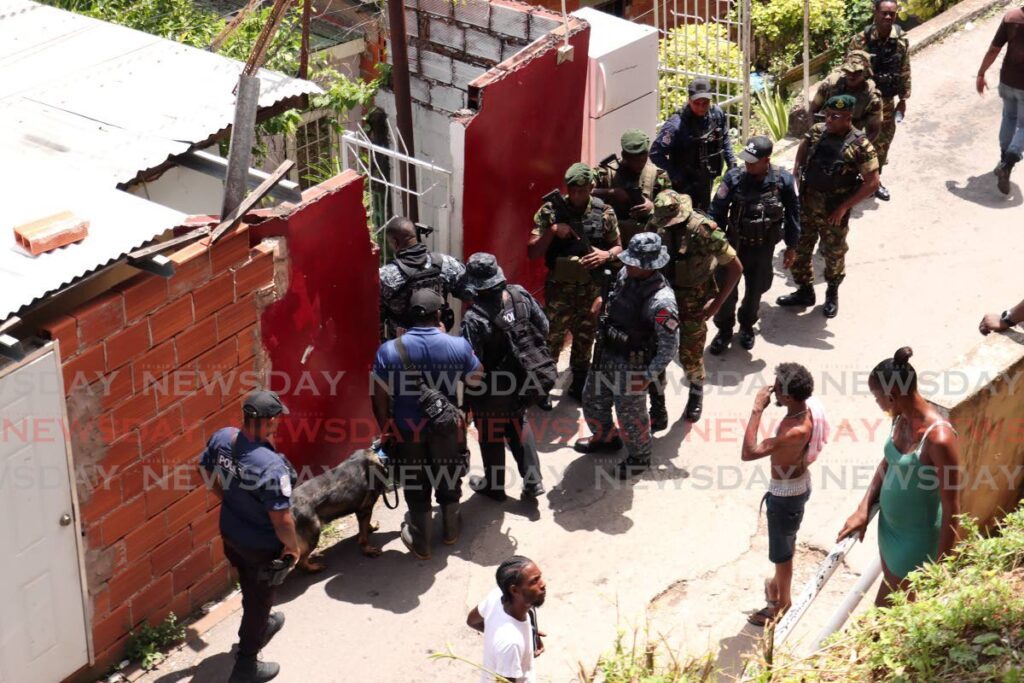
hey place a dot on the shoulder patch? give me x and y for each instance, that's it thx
(286, 485)
(667, 319)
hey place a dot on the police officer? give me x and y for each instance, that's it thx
(853, 78)
(638, 336)
(837, 168)
(630, 183)
(887, 44)
(412, 268)
(577, 234)
(693, 145)
(498, 411)
(254, 484)
(758, 207)
(695, 246)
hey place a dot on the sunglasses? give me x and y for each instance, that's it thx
(835, 116)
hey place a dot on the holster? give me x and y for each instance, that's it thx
(275, 571)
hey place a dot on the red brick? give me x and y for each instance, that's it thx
(187, 510)
(137, 477)
(115, 387)
(256, 274)
(156, 596)
(236, 317)
(206, 528)
(104, 498)
(84, 369)
(230, 250)
(216, 584)
(197, 565)
(177, 385)
(127, 345)
(63, 329)
(121, 453)
(217, 551)
(161, 494)
(249, 343)
(197, 339)
(107, 659)
(110, 629)
(214, 295)
(185, 449)
(203, 402)
(93, 536)
(132, 413)
(214, 363)
(124, 519)
(100, 604)
(100, 318)
(244, 378)
(148, 536)
(192, 268)
(230, 414)
(130, 582)
(180, 607)
(169, 553)
(168, 321)
(153, 365)
(161, 429)
(143, 294)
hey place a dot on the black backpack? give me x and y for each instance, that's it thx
(441, 414)
(527, 346)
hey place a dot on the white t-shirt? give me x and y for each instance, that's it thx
(508, 642)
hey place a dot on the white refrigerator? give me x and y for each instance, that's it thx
(622, 82)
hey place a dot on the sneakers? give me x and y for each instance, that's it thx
(251, 670)
(831, 307)
(803, 296)
(718, 344)
(590, 444)
(883, 193)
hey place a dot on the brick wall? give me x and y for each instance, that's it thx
(151, 369)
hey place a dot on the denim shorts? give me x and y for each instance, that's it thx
(785, 513)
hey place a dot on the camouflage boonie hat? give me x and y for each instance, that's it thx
(579, 174)
(645, 251)
(670, 205)
(841, 103)
(857, 60)
(635, 141)
(483, 272)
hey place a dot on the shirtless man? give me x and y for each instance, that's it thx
(795, 445)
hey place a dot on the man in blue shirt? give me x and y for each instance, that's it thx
(427, 459)
(254, 483)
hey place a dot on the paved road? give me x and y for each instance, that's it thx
(683, 545)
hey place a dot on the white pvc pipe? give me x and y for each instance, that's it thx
(853, 598)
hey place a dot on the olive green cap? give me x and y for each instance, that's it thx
(635, 141)
(841, 102)
(579, 174)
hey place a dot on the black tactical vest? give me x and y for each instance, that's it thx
(627, 330)
(592, 225)
(758, 213)
(827, 170)
(426, 277)
(886, 62)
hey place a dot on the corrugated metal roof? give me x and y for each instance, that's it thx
(84, 106)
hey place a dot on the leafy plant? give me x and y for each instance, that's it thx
(924, 9)
(641, 661)
(149, 645)
(771, 108)
(691, 50)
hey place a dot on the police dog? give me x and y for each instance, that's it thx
(352, 487)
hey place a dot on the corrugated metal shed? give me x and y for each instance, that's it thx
(84, 106)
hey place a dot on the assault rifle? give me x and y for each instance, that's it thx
(563, 214)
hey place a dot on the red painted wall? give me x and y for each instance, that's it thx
(528, 131)
(330, 306)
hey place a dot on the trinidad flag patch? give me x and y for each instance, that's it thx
(666, 319)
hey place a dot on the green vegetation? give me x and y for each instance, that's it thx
(778, 27)
(924, 9)
(771, 111)
(149, 644)
(695, 49)
(642, 661)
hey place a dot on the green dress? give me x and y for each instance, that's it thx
(910, 509)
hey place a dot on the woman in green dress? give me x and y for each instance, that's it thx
(917, 481)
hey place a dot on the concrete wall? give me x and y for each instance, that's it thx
(185, 190)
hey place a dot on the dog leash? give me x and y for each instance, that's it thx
(386, 462)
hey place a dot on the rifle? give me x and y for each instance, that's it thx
(423, 230)
(563, 214)
(607, 281)
(608, 160)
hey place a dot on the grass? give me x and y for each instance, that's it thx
(148, 645)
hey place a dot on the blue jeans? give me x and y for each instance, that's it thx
(1011, 132)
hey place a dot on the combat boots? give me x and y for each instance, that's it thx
(416, 533)
(251, 670)
(747, 337)
(659, 413)
(831, 307)
(718, 344)
(695, 403)
(591, 444)
(579, 378)
(451, 523)
(1003, 170)
(803, 296)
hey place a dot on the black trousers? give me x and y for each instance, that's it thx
(257, 595)
(431, 462)
(502, 420)
(757, 279)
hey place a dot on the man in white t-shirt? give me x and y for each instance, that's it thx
(511, 639)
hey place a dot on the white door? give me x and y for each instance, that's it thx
(605, 132)
(43, 629)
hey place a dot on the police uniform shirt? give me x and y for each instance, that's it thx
(256, 481)
(722, 202)
(675, 138)
(662, 312)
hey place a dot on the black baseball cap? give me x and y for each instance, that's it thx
(700, 88)
(264, 404)
(425, 301)
(758, 147)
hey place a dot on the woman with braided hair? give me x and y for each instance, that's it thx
(917, 481)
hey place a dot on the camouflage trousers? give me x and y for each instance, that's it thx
(608, 386)
(814, 210)
(567, 305)
(693, 328)
(888, 131)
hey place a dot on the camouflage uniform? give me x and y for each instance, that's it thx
(868, 108)
(651, 181)
(890, 61)
(394, 295)
(639, 336)
(570, 289)
(856, 157)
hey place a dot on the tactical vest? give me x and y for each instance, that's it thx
(705, 150)
(427, 277)
(688, 267)
(592, 224)
(886, 61)
(758, 213)
(827, 170)
(626, 330)
(645, 183)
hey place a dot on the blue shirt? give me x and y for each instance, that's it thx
(443, 358)
(259, 481)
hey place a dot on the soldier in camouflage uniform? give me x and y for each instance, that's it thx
(837, 168)
(638, 336)
(887, 44)
(578, 237)
(631, 183)
(853, 78)
(695, 246)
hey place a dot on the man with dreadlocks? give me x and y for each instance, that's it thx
(508, 619)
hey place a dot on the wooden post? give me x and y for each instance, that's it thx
(403, 102)
(243, 131)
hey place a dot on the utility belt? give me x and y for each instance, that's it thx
(757, 234)
(622, 343)
(831, 180)
(888, 84)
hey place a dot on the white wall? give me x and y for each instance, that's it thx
(184, 190)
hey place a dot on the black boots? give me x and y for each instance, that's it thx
(883, 193)
(416, 533)
(803, 296)
(718, 344)
(591, 444)
(747, 337)
(492, 490)
(659, 414)
(831, 307)
(251, 670)
(451, 523)
(1003, 171)
(695, 403)
(579, 378)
